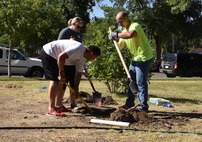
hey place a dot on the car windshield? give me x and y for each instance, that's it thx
(169, 57)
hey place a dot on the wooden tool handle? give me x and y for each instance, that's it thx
(120, 56)
(91, 83)
(72, 90)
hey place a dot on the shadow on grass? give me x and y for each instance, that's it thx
(180, 100)
(169, 115)
(20, 78)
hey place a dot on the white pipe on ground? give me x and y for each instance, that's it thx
(108, 122)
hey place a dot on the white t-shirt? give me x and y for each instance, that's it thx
(74, 49)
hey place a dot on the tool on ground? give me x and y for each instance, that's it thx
(96, 95)
(82, 101)
(132, 84)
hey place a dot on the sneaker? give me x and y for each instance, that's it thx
(63, 109)
(55, 113)
(73, 103)
(74, 106)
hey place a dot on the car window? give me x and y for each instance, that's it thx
(169, 57)
(15, 55)
(1, 53)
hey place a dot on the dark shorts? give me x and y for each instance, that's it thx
(50, 68)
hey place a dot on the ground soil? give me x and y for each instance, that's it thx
(23, 119)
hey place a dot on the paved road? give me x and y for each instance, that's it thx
(158, 75)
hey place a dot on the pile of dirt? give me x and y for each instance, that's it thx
(92, 109)
(101, 111)
(131, 115)
(108, 100)
(88, 98)
(13, 86)
(135, 117)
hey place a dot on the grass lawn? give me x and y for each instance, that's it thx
(183, 93)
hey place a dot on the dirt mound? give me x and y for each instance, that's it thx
(102, 111)
(108, 100)
(140, 119)
(131, 115)
(13, 86)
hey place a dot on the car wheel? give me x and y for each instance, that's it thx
(36, 72)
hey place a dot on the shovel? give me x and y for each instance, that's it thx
(132, 84)
(96, 95)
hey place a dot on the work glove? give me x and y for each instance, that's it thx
(62, 77)
(113, 35)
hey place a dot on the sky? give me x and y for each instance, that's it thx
(97, 11)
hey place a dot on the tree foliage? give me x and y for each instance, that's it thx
(32, 23)
(107, 67)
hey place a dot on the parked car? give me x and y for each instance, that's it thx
(20, 65)
(181, 64)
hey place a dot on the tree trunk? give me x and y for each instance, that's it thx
(158, 47)
(9, 61)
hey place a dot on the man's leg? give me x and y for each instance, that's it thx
(60, 94)
(142, 69)
(52, 93)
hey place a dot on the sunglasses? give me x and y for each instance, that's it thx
(78, 27)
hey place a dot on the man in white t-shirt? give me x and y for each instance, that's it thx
(54, 56)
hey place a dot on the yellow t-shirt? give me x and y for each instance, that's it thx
(139, 45)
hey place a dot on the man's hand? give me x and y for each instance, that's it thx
(112, 35)
(62, 77)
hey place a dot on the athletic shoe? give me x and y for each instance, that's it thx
(73, 103)
(63, 109)
(55, 113)
(74, 106)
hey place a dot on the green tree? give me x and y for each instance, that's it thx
(107, 67)
(32, 23)
(29, 24)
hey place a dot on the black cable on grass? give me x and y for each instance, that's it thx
(93, 127)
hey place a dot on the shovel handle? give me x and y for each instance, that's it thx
(91, 83)
(120, 56)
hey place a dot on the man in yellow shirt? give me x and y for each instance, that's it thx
(137, 43)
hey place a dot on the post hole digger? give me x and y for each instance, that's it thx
(82, 101)
(77, 95)
(132, 84)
